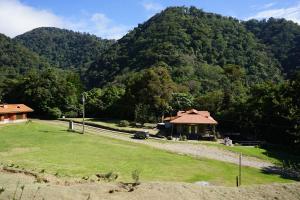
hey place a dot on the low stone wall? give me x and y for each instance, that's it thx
(99, 126)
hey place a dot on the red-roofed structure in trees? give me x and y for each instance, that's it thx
(193, 123)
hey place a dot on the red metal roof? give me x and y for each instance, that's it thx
(14, 108)
(193, 117)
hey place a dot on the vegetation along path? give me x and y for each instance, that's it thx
(196, 150)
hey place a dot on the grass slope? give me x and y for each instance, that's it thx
(274, 155)
(42, 146)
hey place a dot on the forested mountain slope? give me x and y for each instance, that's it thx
(186, 39)
(64, 48)
(15, 58)
(282, 38)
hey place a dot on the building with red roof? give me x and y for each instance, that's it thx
(193, 123)
(12, 113)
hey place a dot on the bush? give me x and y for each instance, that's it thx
(71, 114)
(2, 190)
(136, 176)
(183, 138)
(124, 123)
(110, 176)
(54, 113)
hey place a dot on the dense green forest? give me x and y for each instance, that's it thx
(246, 73)
(187, 40)
(282, 39)
(15, 59)
(64, 48)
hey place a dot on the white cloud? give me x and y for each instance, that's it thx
(152, 7)
(290, 13)
(268, 5)
(106, 28)
(17, 18)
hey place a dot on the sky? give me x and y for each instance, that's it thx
(112, 19)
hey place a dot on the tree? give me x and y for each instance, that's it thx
(153, 87)
(43, 91)
(181, 101)
(94, 104)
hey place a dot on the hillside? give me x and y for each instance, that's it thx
(282, 38)
(15, 58)
(187, 39)
(64, 48)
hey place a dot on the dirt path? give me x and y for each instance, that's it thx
(145, 191)
(195, 150)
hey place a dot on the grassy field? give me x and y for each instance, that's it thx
(42, 146)
(272, 155)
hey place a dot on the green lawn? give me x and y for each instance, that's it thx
(42, 146)
(274, 156)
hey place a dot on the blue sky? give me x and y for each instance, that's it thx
(114, 18)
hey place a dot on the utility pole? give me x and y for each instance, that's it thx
(240, 170)
(83, 112)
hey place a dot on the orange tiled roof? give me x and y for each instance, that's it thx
(170, 118)
(193, 117)
(14, 108)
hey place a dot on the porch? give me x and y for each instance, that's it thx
(194, 131)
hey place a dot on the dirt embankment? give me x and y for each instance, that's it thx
(12, 184)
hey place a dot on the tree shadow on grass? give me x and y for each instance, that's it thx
(286, 173)
(288, 165)
(282, 153)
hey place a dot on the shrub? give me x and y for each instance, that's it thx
(54, 113)
(136, 176)
(2, 190)
(110, 176)
(183, 138)
(124, 123)
(71, 114)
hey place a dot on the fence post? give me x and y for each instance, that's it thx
(71, 125)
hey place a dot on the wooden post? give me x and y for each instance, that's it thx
(240, 170)
(237, 181)
(71, 125)
(83, 112)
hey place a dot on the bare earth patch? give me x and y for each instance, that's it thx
(145, 191)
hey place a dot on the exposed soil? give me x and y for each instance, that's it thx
(13, 182)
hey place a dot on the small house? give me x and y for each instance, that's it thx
(13, 113)
(192, 123)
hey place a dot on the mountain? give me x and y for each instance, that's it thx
(64, 48)
(282, 37)
(187, 40)
(15, 58)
